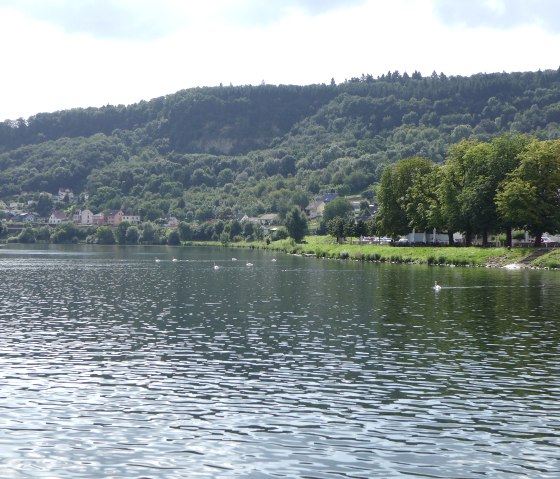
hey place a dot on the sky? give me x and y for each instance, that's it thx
(62, 54)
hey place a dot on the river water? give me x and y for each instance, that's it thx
(119, 362)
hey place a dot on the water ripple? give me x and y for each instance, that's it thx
(113, 367)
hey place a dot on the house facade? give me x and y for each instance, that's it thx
(316, 208)
(99, 219)
(113, 218)
(57, 217)
(83, 217)
(131, 218)
(172, 222)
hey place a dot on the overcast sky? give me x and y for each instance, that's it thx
(60, 54)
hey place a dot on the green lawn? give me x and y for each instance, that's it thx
(326, 247)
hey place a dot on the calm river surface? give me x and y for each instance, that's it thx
(115, 365)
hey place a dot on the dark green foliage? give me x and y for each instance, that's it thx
(132, 235)
(215, 153)
(337, 227)
(185, 231)
(67, 233)
(104, 235)
(339, 207)
(150, 233)
(296, 224)
(173, 238)
(120, 232)
(27, 235)
(45, 205)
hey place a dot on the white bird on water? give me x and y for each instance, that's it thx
(157, 260)
(437, 287)
(249, 264)
(216, 267)
(174, 260)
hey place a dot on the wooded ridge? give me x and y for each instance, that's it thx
(216, 152)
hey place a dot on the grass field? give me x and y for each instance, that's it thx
(326, 247)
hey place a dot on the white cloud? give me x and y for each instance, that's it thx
(48, 66)
(500, 14)
(134, 20)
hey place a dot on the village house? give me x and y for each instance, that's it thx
(316, 208)
(171, 222)
(57, 217)
(113, 218)
(83, 217)
(99, 219)
(268, 219)
(263, 220)
(16, 207)
(131, 218)
(65, 193)
(25, 217)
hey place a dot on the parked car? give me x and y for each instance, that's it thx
(547, 242)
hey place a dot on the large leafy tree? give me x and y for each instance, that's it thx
(132, 235)
(530, 196)
(422, 205)
(461, 186)
(296, 224)
(472, 173)
(506, 157)
(120, 232)
(337, 227)
(340, 207)
(45, 205)
(27, 235)
(397, 213)
(105, 235)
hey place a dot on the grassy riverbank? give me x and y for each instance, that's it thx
(325, 247)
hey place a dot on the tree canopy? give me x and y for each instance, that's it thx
(482, 187)
(217, 153)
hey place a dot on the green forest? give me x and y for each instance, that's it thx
(213, 153)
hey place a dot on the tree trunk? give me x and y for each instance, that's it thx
(509, 237)
(468, 238)
(451, 240)
(484, 239)
(538, 240)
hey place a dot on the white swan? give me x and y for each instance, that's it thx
(437, 287)
(157, 260)
(216, 267)
(249, 264)
(174, 260)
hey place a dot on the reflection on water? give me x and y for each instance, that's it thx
(113, 365)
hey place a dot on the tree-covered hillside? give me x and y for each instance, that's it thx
(208, 153)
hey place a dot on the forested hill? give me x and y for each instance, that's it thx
(212, 151)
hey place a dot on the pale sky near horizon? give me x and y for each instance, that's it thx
(61, 54)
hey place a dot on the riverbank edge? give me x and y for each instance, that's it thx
(493, 257)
